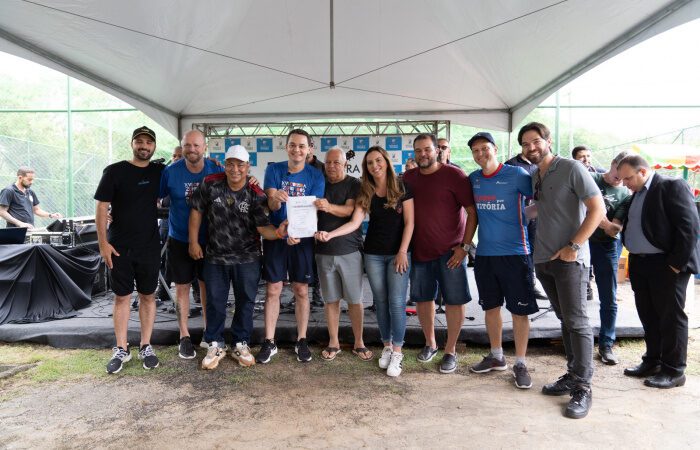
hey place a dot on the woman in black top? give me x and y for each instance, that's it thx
(389, 204)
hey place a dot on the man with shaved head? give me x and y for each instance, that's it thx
(339, 260)
(179, 180)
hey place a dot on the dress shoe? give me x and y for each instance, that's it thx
(665, 381)
(580, 403)
(643, 370)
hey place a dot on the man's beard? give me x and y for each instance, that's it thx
(138, 156)
(424, 165)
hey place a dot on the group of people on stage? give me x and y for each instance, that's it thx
(421, 227)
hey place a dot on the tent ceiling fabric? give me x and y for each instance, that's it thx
(485, 64)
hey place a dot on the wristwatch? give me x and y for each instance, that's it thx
(465, 247)
(574, 246)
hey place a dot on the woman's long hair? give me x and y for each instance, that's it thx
(394, 189)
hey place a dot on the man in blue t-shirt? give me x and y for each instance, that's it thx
(291, 259)
(179, 180)
(503, 267)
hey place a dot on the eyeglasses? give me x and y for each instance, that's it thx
(443, 147)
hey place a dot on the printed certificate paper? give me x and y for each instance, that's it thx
(301, 213)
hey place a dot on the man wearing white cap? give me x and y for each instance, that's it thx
(237, 216)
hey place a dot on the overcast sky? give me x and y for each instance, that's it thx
(663, 70)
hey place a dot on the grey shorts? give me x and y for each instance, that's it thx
(340, 277)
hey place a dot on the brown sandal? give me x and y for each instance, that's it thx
(329, 350)
(363, 353)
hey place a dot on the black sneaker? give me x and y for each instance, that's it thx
(607, 355)
(302, 350)
(448, 364)
(268, 349)
(489, 363)
(427, 354)
(522, 376)
(119, 357)
(564, 385)
(580, 403)
(148, 356)
(186, 350)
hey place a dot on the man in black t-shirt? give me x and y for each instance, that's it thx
(339, 260)
(131, 249)
(237, 215)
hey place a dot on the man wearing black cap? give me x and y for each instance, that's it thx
(131, 250)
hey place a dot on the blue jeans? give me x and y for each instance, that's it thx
(217, 279)
(604, 259)
(389, 291)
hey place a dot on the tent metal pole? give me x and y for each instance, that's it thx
(556, 125)
(332, 44)
(69, 165)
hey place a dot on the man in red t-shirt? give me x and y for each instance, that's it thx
(442, 235)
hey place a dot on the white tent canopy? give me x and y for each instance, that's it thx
(482, 63)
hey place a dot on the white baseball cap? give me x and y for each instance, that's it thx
(238, 152)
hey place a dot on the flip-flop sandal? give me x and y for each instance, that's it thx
(333, 350)
(363, 353)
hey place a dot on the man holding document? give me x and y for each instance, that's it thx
(294, 185)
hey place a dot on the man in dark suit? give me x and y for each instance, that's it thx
(661, 234)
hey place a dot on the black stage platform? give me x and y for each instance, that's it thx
(92, 326)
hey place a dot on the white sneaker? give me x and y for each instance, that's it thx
(385, 358)
(394, 369)
(214, 355)
(204, 344)
(242, 354)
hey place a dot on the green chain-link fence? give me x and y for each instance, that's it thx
(97, 139)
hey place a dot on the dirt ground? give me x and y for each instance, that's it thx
(341, 404)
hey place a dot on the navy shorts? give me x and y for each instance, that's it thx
(183, 269)
(426, 276)
(506, 277)
(135, 265)
(288, 262)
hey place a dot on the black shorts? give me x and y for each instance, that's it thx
(294, 262)
(506, 277)
(135, 265)
(183, 269)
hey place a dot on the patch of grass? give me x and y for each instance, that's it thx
(67, 364)
(242, 376)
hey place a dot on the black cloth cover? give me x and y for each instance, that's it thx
(39, 282)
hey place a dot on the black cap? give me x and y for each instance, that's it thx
(144, 130)
(481, 135)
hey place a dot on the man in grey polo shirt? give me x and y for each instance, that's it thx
(339, 260)
(569, 209)
(19, 204)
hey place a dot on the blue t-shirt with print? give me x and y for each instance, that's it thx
(308, 182)
(500, 207)
(179, 183)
